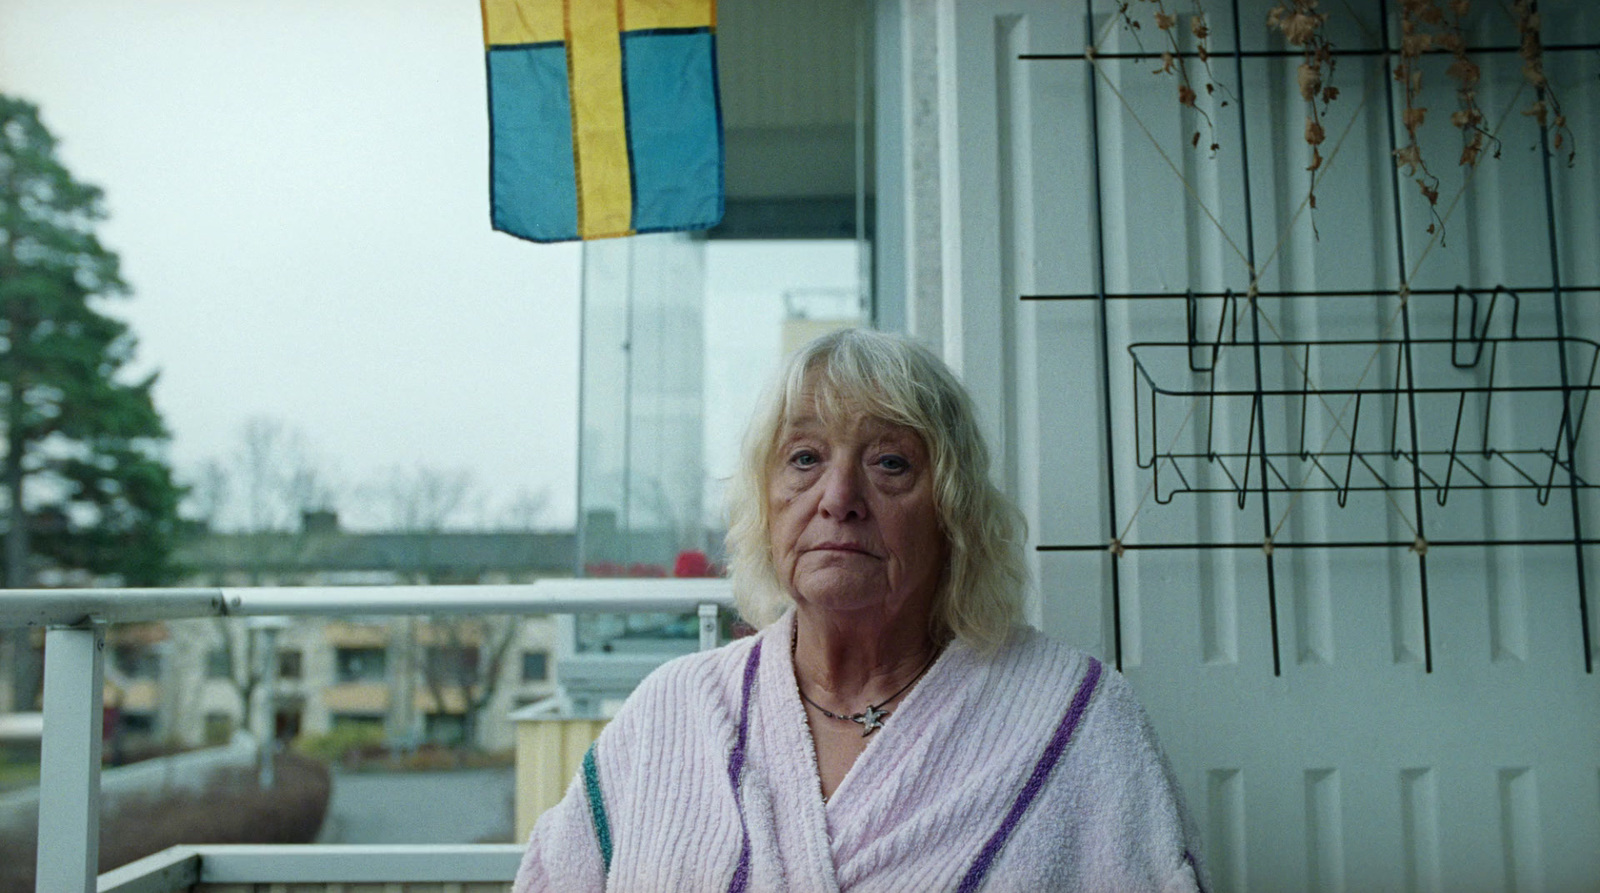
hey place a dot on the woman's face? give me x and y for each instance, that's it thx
(852, 518)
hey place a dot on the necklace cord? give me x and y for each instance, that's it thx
(872, 717)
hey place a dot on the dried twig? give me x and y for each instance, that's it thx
(1468, 117)
(1418, 18)
(1172, 56)
(1546, 108)
(1302, 26)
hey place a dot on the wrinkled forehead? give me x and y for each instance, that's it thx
(843, 425)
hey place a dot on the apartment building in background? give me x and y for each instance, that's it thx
(417, 680)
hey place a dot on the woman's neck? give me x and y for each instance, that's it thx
(853, 661)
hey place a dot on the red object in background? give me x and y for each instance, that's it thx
(689, 563)
(692, 563)
(614, 569)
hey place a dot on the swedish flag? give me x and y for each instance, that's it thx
(604, 117)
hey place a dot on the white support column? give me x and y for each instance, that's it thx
(266, 629)
(69, 766)
(708, 627)
(972, 338)
(948, 183)
(921, 186)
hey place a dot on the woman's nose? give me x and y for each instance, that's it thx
(842, 493)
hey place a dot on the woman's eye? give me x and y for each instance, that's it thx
(803, 459)
(894, 464)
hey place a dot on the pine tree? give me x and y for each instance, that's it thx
(82, 481)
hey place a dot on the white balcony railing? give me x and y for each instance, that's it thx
(74, 621)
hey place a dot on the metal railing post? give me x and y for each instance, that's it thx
(264, 635)
(708, 627)
(69, 761)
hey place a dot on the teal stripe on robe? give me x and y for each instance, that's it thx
(597, 806)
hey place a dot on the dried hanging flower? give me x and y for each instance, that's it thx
(1546, 108)
(1128, 21)
(1172, 62)
(1468, 117)
(1416, 39)
(1302, 26)
(1172, 57)
(1202, 33)
(1426, 26)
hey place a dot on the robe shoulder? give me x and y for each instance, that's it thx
(702, 689)
(1113, 802)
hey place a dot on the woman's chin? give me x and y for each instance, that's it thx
(836, 591)
(844, 593)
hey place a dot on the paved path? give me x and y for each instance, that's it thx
(464, 806)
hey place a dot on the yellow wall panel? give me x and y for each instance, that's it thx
(455, 702)
(355, 635)
(549, 755)
(139, 695)
(356, 697)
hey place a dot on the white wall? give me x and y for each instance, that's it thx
(1384, 747)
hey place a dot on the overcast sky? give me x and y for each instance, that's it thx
(298, 192)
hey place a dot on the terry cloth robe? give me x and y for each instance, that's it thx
(1029, 769)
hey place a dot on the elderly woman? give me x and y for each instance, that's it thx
(892, 726)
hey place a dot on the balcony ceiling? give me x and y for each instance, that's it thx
(790, 96)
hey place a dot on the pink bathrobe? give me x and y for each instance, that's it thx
(1029, 769)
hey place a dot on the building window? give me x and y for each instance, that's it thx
(140, 726)
(358, 722)
(289, 663)
(286, 722)
(452, 664)
(219, 664)
(360, 664)
(445, 728)
(535, 666)
(137, 661)
(219, 728)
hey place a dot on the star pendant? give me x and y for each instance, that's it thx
(871, 720)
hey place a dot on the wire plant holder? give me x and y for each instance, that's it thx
(1460, 381)
(1275, 418)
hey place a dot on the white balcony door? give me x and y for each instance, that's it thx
(1364, 743)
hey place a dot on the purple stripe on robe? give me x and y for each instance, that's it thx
(1041, 772)
(741, 873)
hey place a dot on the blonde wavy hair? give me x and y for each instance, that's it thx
(854, 372)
